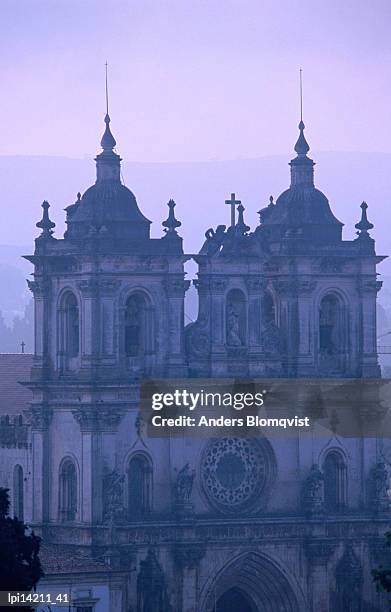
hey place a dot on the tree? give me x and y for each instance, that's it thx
(382, 576)
(20, 567)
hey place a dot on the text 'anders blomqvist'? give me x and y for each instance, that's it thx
(201, 399)
(248, 421)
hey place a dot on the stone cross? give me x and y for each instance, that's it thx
(233, 202)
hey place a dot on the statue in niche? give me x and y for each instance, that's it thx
(313, 492)
(113, 507)
(184, 484)
(380, 488)
(133, 325)
(235, 318)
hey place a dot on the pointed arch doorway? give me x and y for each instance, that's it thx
(234, 600)
(253, 583)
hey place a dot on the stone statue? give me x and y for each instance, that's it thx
(113, 507)
(313, 492)
(214, 240)
(233, 329)
(184, 484)
(380, 501)
(271, 337)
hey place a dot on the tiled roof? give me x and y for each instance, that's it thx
(63, 559)
(14, 369)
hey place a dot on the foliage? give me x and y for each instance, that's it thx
(382, 576)
(20, 567)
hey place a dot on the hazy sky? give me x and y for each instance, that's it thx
(194, 79)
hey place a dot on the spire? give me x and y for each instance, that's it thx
(302, 167)
(108, 141)
(45, 224)
(171, 223)
(301, 146)
(363, 226)
(108, 162)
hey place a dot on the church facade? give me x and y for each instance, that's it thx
(133, 523)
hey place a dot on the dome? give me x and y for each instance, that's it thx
(108, 209)
(110, 206)
(302, 205)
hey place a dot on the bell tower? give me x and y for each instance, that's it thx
(109, 309)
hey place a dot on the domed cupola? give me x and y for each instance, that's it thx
(108, 210)
(302, 210)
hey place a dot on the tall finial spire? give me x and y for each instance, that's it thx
(108, 141)
(301, 146)
(107, 91)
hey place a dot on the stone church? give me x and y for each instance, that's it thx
(131, 523)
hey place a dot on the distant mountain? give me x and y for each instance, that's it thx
(199, 188)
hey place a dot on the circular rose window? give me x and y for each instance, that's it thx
(235, 472)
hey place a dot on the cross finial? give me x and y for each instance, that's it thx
(23, 344)
(301, 95)
(233, 202)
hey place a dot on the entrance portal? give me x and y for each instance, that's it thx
(234, 600)
(253, 583)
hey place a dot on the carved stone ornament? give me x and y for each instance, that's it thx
(255, 283)
(88, 287)
(313, 492)
(39, 287)
(176, 286)
(96, 418)
(39, 417)
(379, 488)
(183, 488)
(197, 341)
(218, 285)
(236, 472)
(113, 495)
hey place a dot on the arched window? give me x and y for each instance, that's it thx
(68, 491)
(332, 334)
(136, 326)
(18, 492)
(69, 333)
(335, 482)
(235, 317)
(139, 486)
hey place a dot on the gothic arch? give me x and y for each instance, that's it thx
(68, 328)
(335, 473)
(261, 582)
(68, 489)
(236, 318)
(139, 485)
(18, 492)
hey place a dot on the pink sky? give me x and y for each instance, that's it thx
(194, 79)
